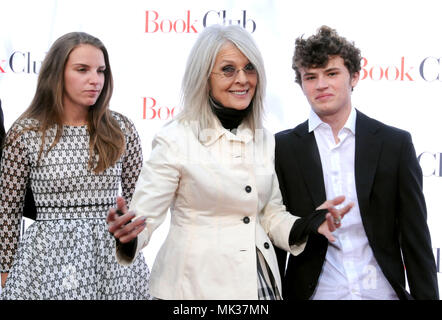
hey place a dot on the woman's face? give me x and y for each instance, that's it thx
(83, 77)
(233, 79)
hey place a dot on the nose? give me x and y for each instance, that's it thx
(241, 76)
(96, 77)
(321, 83)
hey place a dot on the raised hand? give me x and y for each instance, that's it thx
(120, 222)
(333, 217)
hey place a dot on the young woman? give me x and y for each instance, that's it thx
(75, 154)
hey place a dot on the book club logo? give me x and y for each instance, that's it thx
(20, 62)
(431, 163)
(428, 69)
(156, 22)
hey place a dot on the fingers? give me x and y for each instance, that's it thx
(111, 216)
(133, 232)
(346, 209)
(121, 205)
(116, 222)
(332, 223)
(338, 214)
(327, 227)
(333, 217)
(331, 203)
(128, 228)
(124, 230)
(120, 222)
(337, 201)
(121, 209)
(4, 276)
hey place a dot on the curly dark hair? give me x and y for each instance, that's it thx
(315, 51)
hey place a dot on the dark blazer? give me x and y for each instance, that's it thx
(29, 210)
(392, 205)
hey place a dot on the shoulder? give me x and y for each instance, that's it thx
(299, 130)
(290, 136)
(25, 123)
(169, 143)
(24, 126)
(120, 118)
(381, 129)
(126, 124)
(22, 131)
(281, 135)
(174, 131)
(176, 128)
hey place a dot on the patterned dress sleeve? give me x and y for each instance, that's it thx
(132, 161)
(15, 168)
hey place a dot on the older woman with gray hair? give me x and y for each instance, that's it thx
(212, 166)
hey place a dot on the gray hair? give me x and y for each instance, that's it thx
(195, 83)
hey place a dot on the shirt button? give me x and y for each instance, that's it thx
(248, 189)
(246, 220)
(266, 245)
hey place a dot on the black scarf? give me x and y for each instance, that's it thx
(230, 118)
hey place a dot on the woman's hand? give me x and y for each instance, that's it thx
(333, 216)
(4, 276)
(120, 222)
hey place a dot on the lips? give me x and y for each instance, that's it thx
(324, 96)
(92, 92)
(239, 92)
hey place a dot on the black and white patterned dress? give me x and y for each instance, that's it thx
(67, 253)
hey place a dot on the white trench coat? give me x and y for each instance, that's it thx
(225, 202)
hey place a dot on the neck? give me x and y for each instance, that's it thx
(75, 116)
(336, 121)
(230, 118)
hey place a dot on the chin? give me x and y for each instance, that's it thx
(240, 107)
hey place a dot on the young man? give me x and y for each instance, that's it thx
(339, 150)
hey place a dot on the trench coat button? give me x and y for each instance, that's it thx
(266, 245)
(248, 189)
(246, 220)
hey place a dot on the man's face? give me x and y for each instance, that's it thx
(328, 89)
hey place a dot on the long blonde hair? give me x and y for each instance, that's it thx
(106, 137)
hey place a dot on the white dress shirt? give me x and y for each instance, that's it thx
(350, 270)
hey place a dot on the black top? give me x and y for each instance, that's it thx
(230, 118)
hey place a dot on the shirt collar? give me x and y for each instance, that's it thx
(314, 121)
(243, 134)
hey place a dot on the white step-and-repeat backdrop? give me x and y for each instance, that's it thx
(149, 40)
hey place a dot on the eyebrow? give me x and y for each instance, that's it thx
(230, 63)
(326, 70)
(86, 65)
(227, 60)
(333, 69)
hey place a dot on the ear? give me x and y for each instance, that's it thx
(354, 79)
